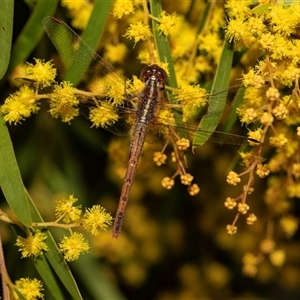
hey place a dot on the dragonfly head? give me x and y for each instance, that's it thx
(154, 73)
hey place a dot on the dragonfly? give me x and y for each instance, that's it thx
(78, 56)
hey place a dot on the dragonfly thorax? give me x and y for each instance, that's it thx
(154, 75)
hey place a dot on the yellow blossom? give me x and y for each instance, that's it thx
(254, 98)
(243, 208)
(293, 190)
(192, 97)
(231, 229)
(277, 258)
(251, 219)
(183, 39)
(284, 19)
(166, 117)
(211, 43)
(96, 218)
(134, 86)
(194, 189)
(64, 102)
(144, 57)
(230, 203)
(183, 144)
(253, 79)
(238, 9)
(20, 105)
(291, 147)
(280, 111)
(276, 163)
(218, 19)
(287, 74)
(281, 47)
(266, 119)
(113, 86)
(71, 247)
(272, 94)
(236, 29)
(262, 170)
(278, 141)
(267, 40)
(167, 183)
(115, 53)
(248, 116)
(159, 158)
(249, 264)
(33, 245)
(79, 11)
(186, 179)
(138, 31)
(168, 23)
(249, 270)
(173, 157)
(64, 209)
(122, 7)
(254, 136)
(203, 64)
(290, 225)
(267, 245)
(115, 90)
(248, 158)
(233, 178)
(249, 258)
(296, 170)
(103, 116)
(31, 289)
(255, 25)
(41, 72)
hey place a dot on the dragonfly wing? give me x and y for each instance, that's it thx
(33, 85)
(77, 54)
(227, 138)
(88, 65)
(122, 126)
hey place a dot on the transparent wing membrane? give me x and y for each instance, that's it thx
(89, 65)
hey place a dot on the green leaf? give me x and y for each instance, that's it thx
(10, 178)
(6, 25)
(56, 261)
(21, 204)
(162, 43)
(164, 52)
(32, 32)
(238, 100)
(48, 276)
(24, 208)
(21, 297)
(262, 8)
(94, 277)
(203, 19)
(217, 103)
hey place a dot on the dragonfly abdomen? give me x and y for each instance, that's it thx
(136, 146)
(155, 79)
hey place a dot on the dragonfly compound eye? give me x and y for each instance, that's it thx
(154, 70)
